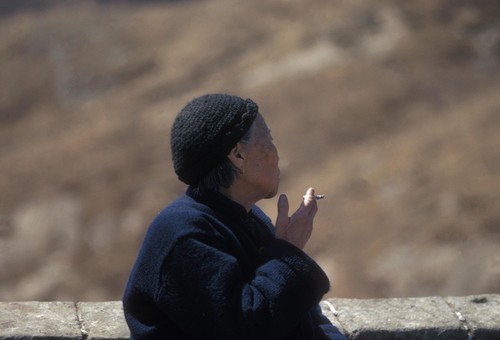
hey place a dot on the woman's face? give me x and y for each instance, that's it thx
(261, 171)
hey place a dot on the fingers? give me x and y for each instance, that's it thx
(282, 218)
(309, 207)
(309, 196)
(296, 229)
(310, 203)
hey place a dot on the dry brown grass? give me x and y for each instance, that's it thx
(391, 110)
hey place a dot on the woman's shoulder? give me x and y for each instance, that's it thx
(181, 216)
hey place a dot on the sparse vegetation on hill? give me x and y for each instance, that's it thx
(392, 110)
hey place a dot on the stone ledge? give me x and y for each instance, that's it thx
(62, 320)
(468, 317)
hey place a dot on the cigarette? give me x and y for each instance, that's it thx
(317, 197)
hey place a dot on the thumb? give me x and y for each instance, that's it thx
(282, 219)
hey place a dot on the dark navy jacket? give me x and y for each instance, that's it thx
(207, 269)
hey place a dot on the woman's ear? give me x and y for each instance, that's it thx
(236, 156)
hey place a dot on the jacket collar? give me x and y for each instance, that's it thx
(219, 202)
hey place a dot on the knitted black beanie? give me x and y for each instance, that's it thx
(206, 130)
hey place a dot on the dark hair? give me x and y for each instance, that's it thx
(223, 174)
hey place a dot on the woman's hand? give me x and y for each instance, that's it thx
(296, 229)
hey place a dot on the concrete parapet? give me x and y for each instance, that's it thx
(468, 317)
(62, 320)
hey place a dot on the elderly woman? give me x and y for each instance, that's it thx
(212, 264)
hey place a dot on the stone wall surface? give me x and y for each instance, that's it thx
(464, 317)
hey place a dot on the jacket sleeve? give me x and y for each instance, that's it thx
(324, 328)
(205, 291)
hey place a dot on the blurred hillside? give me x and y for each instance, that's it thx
(392, 110)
